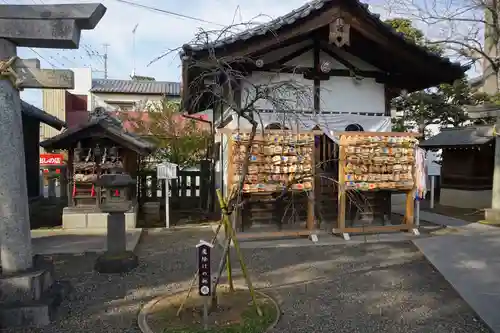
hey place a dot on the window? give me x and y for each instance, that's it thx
(123, 106)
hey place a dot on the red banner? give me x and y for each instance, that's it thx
(51, 159)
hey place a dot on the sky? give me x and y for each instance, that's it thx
(156, 33)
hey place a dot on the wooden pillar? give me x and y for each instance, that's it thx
(341, 188)
(311, 204)
(317, 81)
(387, 97)
(69, 176)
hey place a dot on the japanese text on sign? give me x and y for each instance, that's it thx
(51, 159)
(204, 270)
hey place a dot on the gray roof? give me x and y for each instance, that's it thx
(42, 116)
(136, 87)
(464, 136)
(312, 8)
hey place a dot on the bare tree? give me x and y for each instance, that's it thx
(222, 82)
(466, 29)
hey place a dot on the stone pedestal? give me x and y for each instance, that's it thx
(92, 218)
(31, 297)
(492, 216)
(116, 259)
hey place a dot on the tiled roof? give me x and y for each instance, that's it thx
(136, 87)
(42, 116)
(119, 135)
(311, 8)
(465, 136)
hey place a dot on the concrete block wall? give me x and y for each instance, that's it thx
(94, 220)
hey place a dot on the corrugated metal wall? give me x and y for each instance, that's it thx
(54, 102)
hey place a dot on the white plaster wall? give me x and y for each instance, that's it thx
(100, 99)
(83, 84)
(339, 94)
(299, 98)
(345, 94)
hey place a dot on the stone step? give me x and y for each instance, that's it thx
(25, 286)
(34, 313)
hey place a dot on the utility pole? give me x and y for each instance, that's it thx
(105, 57)
(133, 49)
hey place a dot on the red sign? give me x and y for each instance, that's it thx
(51, 159)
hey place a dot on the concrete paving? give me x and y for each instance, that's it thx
(76, 241)
(470, 262)
(467, 258)
(434, 218)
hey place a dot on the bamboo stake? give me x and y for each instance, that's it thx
(232, 235)
(228, 263)
(222, 263)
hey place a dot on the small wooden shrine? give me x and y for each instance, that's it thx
(374, 162)
(99, 147)
(467, 165)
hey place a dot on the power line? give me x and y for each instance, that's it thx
(38, 54)
(168, 12)
(103, 57)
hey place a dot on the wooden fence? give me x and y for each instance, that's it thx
(191, 189)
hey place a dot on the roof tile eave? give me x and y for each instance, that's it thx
(135, 87)
(310, 8)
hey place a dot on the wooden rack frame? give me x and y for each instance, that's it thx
(310, 230)
(408, 219)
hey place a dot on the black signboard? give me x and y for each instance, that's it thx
(204, 272)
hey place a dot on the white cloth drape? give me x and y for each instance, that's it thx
(420, 174)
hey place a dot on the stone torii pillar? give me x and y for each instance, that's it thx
(50, 26)
(46, 26)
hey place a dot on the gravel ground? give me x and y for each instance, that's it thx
(383, 287)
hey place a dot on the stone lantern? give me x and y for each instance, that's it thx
(116, 202)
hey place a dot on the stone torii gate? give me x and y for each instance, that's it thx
(46, 26)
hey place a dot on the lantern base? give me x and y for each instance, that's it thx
(116, 262)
